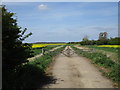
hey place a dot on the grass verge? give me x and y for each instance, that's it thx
(112, 69)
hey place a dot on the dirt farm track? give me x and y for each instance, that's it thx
(77, 72)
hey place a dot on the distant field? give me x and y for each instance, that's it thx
(44, 45)
(109, 48)
(112, 46)
(39, 50)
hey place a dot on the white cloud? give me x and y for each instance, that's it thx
(43, 7)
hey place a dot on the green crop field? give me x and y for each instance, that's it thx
(109, 49)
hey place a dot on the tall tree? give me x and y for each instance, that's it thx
(14, 52)
(103, 39)
(103, 36)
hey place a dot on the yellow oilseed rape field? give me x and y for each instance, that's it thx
(44, 45)
(114, 46)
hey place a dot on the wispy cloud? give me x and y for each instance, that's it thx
(104, 28)
(43, 7)
(74, 34)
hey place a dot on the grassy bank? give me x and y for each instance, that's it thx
(106, 65)
(39, 50)
(31, 75)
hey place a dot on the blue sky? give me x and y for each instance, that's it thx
(66, 21)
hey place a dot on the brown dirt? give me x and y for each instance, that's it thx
(77, 72)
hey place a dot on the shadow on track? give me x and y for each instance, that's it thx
(27, 77)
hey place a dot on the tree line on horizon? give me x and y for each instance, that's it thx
(102, 40)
